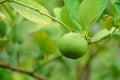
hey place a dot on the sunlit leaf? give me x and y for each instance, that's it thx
(101, 34)
(88, 11)
(2, 16)
(31, 14)
(89, 14)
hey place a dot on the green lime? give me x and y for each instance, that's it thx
(73, 45)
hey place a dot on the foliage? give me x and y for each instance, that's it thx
(30, 31)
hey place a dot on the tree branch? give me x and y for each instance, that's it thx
(37, 10)
(10, 67)
(85, 71)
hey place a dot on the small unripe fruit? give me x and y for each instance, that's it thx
(73, 45)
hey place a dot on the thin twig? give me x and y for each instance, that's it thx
(116, 28)
(10, 67)
(40, 66)
(109, 35)
(37, 10)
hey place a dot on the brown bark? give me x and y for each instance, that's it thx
(30, 73)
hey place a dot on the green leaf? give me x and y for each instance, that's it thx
(46, 44)
(103, 5)
(117, 20)
(117, 16)
(50, 5)
(117, 6)
(88, 12)
(66, 19)
(31, 14)
(101, 34)
(3, 28)
(2, 16)
(73, 9)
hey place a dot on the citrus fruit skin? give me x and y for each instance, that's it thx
(72, 45)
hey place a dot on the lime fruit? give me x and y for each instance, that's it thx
(73, 45)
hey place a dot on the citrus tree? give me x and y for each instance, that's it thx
(59, 39)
